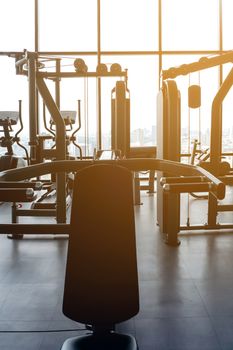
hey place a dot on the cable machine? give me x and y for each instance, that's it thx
(169, 142)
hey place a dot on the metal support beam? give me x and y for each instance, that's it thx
(32, 106)
(31, 229)
(173, 219)
(216, 122)
(212, 210)
(142, 164)
(60, 147)
(99, 111)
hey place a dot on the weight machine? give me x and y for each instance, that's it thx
(186, 178)
(33, 66)
(169, 116)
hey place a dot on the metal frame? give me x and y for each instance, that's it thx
(170, 102)
(36, 83)
(207, 182)
(33, 108)
(216, 111)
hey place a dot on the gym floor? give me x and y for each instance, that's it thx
(186, 293)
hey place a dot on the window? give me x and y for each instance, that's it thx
(129, 25)
(67, 25)
(190, 25)
(17, 25)
(227, 24)
(132, 25)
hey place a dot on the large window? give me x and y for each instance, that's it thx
(129, 25)
(131, 34)
(227, 24)
(190, 25)
(69, 25)
(17, 25)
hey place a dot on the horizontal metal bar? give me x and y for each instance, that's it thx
(225, 207)
(53, 75)
(117, 53)
(49, 153)
(37, 185)
(188, 179)
(11, 53)
(132, 52)
(133, 164)
(33, 229)
(17, 195)
(182, 155)
(64, 229)
(203, 63)
(188, 187)
(206, 227)
(189, 154)
(144, 188)
(227, 180)
(43, 205)
(36, 212)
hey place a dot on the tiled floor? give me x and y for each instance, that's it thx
(186, 293)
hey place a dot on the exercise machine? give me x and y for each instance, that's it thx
(8, 120)
(70, 119)
(169, 116)
(34, 67)
(187, 174)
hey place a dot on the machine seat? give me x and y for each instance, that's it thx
(101, 283)
(10, 117)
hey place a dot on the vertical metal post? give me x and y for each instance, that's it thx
(57, 83)
(36, 8)
(36, 44)
(120, 117)
(113, 119)
(172, 219)
(14, 220)
(160, 39)
(220, 42)
(220, 67)
(216, 122)
(151, 185)
(14, 217)
(60, 148)
(136, 187)
(99, 116)
(32, 106)
(212, 210)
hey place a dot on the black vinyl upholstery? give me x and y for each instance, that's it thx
(101, 283)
